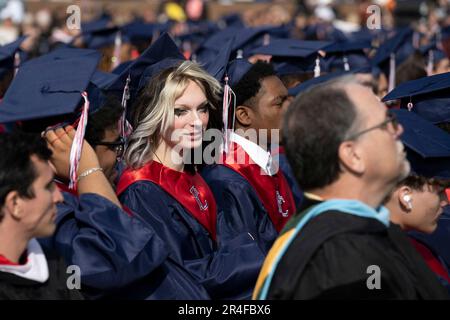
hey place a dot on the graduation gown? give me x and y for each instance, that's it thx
(285, 167)
(119, 255)
(226, 266)
(252, 202)
(329, 259)
(439, 240)
(31, 284)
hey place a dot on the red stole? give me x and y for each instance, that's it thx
(5, 261)
(190, 190)
(273, 191)
(63, 187)
(447, 191)
(433, 263)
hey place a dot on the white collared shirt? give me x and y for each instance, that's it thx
(35, 269)
(258, 155)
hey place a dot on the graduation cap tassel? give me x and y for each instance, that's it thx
(16, 63)
(229, 99)
(430, 63)
(117, 46)
(346, 65)
(124, 126)
(392, 72)
(77, 144)
(225, 106)
(317, 68)
(410, 104)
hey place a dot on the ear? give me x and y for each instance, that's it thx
(12, 205)
(351, 157)
(244, 116)
(404, 196)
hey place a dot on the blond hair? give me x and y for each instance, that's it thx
(154, 110)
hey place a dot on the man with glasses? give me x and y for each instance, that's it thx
(347, 156)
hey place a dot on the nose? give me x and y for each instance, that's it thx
(195, 120)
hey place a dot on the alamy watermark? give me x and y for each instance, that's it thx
(74, 279)
(374, 19)
(73, 22)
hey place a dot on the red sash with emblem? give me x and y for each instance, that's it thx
(273, 191)
(190, 190)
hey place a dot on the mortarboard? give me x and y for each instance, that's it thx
(291, 56)
(429, 97)
(245, 39)
(346, 55)
(164, 47)
(315, 81)
(7, 55)
(433, 55)
(393, 52)
(46, 89)
(428, 147)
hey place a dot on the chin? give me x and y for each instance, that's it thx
(46, 231)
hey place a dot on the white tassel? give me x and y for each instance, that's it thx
(16, 63)
(317, 68)
(229, 99)
(117, 47)
(266, 39)
(125, 127)
(77, 144)
(346, 65)
(391, 72)
(410, 104)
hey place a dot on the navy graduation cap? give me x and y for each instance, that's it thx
(393, 52)
(7, 55)
(428, 147)
(291, 48)
(164, 47)
(346, 55)
(102, 22)
(315, 81)
(429, 97)
(46, 89)
(245, 39)
(217, 66)
(138, 31)
(433, 55)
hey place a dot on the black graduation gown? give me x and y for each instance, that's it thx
(13, 287)
(331, 256)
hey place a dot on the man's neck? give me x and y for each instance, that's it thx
(12, 243)
(355, 190)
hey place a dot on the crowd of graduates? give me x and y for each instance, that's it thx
(251, 157)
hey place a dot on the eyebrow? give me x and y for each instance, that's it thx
(279, 98)
(204, 103)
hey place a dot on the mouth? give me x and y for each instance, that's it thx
(195, 135)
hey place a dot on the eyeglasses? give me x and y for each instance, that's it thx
(390, 119)
(117, 146)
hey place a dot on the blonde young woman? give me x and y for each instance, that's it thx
(170, 118)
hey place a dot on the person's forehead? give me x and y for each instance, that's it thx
(192, 95)
(43, 169)
(366, 102)
(273, 86)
